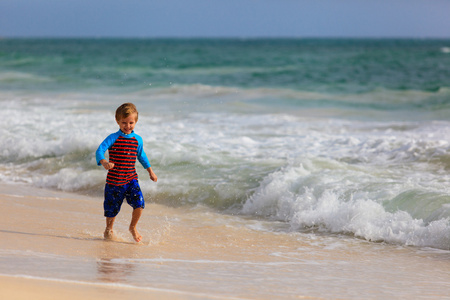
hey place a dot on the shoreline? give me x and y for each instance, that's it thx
(51, 242)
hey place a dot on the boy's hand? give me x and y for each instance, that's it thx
(107, 165)
(153, 176)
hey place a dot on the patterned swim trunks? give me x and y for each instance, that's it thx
(114, 196)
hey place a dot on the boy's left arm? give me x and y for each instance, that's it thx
(143, 159)
(153, 176)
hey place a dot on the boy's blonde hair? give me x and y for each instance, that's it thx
(125, 110)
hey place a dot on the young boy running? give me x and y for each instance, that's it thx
(121, 182)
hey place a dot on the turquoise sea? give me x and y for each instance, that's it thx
(328, 136)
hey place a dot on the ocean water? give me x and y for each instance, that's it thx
(346, 137)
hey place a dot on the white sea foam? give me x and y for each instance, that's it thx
(21, 76)
(347, 201)
(379, 180)
(445, 49)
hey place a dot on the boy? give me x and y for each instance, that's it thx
(121, 182)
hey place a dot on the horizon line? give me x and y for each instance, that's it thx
(227, 37)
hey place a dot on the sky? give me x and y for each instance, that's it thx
(225, 18)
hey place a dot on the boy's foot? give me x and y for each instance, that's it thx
(137, 237)
(108, 234)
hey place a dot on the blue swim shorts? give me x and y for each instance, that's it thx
(114, 196)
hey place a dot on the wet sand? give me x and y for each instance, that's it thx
(51, 245)
(41, 289)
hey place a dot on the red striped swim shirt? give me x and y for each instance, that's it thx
(123, 154)
(123, 151)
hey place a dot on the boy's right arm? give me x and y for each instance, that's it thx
(107, 165)
(100, 153)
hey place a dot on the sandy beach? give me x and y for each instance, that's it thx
(43, 289)
(51, 245)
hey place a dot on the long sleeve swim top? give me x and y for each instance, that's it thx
(123, 151)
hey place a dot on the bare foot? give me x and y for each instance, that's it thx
(108, 234)
(137, 237)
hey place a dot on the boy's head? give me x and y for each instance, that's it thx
(125, 110)
(126, 117)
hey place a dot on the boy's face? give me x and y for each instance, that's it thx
(127, 124)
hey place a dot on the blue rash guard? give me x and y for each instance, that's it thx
(123, 151)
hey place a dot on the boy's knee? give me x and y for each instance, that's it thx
(137, 205)
(135, 198)
(111, 213)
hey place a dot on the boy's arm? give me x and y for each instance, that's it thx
(100, 153)
(107, 165)
(153, 176)
(141, 156)
(143, 159)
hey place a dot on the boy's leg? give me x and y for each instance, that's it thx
(137, 212)
(114, 196)
(108, 234)
(136, 200)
